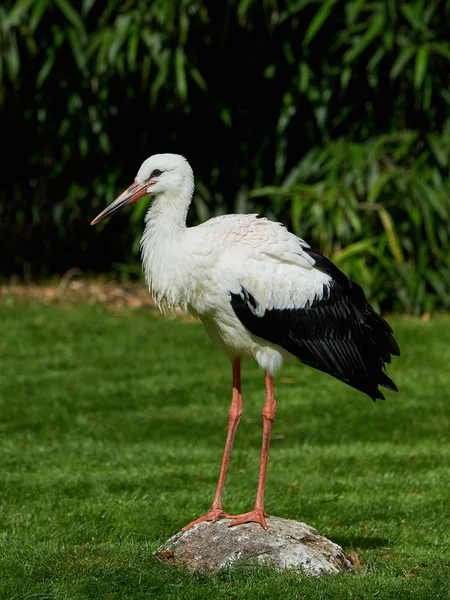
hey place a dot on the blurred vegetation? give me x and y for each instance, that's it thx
(330, 116)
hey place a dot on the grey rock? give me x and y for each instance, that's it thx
(285, 545)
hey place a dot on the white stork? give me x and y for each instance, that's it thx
(259, 291)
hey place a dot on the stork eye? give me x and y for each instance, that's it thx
(155, 173)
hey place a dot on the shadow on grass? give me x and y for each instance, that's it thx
(361, 542)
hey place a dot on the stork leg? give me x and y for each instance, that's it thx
(257, 514)
(234, 416)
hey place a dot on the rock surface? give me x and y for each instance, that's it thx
(285, 545)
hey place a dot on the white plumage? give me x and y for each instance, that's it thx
(260, 291)
(196, 268)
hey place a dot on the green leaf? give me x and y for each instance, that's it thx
(439, 150)
(184, 23)
(15, 15)
(145, 68)
(71, 15)
(225, 116)
(442, 48)
(86, 6)
(37, 13)
(410, 15)
(197, 77)
(378, 187)
(288, 53)
(389, 38)
(420, 66)
(430, 10)
(404, 57)
(83, 146)
(243, 7)
(427, 93)
(12, 58)
(346, 75)
(101, 62)
(132, 50)
(375, 60)
(318, 20)
(392, 237)
(376, 27)
(121, 31)
(439, 286)
(161, 77)
(77, 49)
(268, 190)
(180, 73)
(354, 249)
(304, 76)
(429, 227)
(352, 10)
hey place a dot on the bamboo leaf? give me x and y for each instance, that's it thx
(37, 13)
(439, 150)
(180, 73)
(293, 8)
(86, 6)
(442, 48)
(352, 10)
(71, 15)
(161, 77)
(15, 15)
(420, 66)
(392, 237)
(318, 20)
(132, 50)
(405, 56)
(378, 187)
(427, 93)
(376, 27)
(121, 30)
(243, 7)
(430, 10)
(439, 286)
(268, 190)
(12, 58)
(184, 23)
(408, 12)
(145, 69)
(197, 77)
(429, 228)
(101, 62)
(354, 249)
(46, 68)
(77, 49)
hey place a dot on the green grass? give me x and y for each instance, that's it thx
(111, 434)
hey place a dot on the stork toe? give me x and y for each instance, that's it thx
(213, 515)
(257, 515)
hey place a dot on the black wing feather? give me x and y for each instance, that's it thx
(339, 334)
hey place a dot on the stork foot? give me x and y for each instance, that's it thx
(213, 515)
(254, 516)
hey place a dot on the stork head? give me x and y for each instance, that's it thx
(161, 173)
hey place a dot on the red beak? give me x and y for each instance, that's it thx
(131, 194)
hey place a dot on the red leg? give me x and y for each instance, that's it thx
(257, 514)
(234, 416)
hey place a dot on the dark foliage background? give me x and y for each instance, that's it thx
(332, 116)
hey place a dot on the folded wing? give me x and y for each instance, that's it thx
(337, 331)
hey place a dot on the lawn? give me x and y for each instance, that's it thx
(111, 434)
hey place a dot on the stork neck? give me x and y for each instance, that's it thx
(167, 214)
(164, 257)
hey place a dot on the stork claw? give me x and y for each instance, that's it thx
(213, 515)
(257, 515)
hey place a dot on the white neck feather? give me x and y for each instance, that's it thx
(165, 258)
